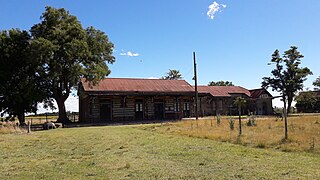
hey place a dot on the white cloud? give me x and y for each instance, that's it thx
(215, 8)
(129, 54)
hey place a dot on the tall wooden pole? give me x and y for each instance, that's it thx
(285, 114)
(195, 84)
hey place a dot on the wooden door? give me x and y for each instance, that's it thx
(139, 109)
(106, 112)
(186, 109)
(159, 110)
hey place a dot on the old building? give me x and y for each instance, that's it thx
(125, 99)
(219, 100)
(260, 102)
(128, 99)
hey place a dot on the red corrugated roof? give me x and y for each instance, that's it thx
(223, 91)
(138, 85)
(255, 93)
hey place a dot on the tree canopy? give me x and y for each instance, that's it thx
(172, 75)
(287, 77)
(47, 63)
(220, 83)
(20, 89)
(317, 82)
(308, 102)
(68, 52)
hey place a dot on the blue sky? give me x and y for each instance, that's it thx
(151, 37)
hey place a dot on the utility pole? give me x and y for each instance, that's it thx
(195, 84)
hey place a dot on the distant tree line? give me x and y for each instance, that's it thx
(220, 83)
(309, 101)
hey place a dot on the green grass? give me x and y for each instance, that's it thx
(130, 152)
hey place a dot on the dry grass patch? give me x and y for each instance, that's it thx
(9, 128)
(304, 132)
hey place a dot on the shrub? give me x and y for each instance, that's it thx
(251, 121)
(218, 119)
(231, 123)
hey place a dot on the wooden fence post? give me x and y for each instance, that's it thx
(29, 127)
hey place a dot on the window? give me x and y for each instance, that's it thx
(123, 102)
(138, 107)
(186, 106)
(264, 96)
(177, 106)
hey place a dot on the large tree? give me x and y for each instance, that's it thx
(287, 77)
(308, 102)
(173, 75)
(20, 89)
(220, 83)
(67, 53)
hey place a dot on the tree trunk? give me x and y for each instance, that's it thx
(240, 127)
(285, 114)
(21, 117)
(62, 111)
(289, 105)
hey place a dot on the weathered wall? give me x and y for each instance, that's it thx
(123, 107)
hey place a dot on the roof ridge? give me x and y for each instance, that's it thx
(141, 79)
(138, 84)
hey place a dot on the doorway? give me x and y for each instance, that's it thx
(139, 109)
(159, 110)
(186, 109)
(106, 112)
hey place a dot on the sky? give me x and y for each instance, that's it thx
(233, 39)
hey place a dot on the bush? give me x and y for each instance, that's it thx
(218, 119)
(251, 121)
(231, 123)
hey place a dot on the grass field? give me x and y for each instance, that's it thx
(304, 132)
(135, 152)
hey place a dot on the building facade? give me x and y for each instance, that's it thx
(261, 102)
(215, 100)
(129, 99)
(126, 99)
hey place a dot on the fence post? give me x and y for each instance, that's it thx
(29, 128)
